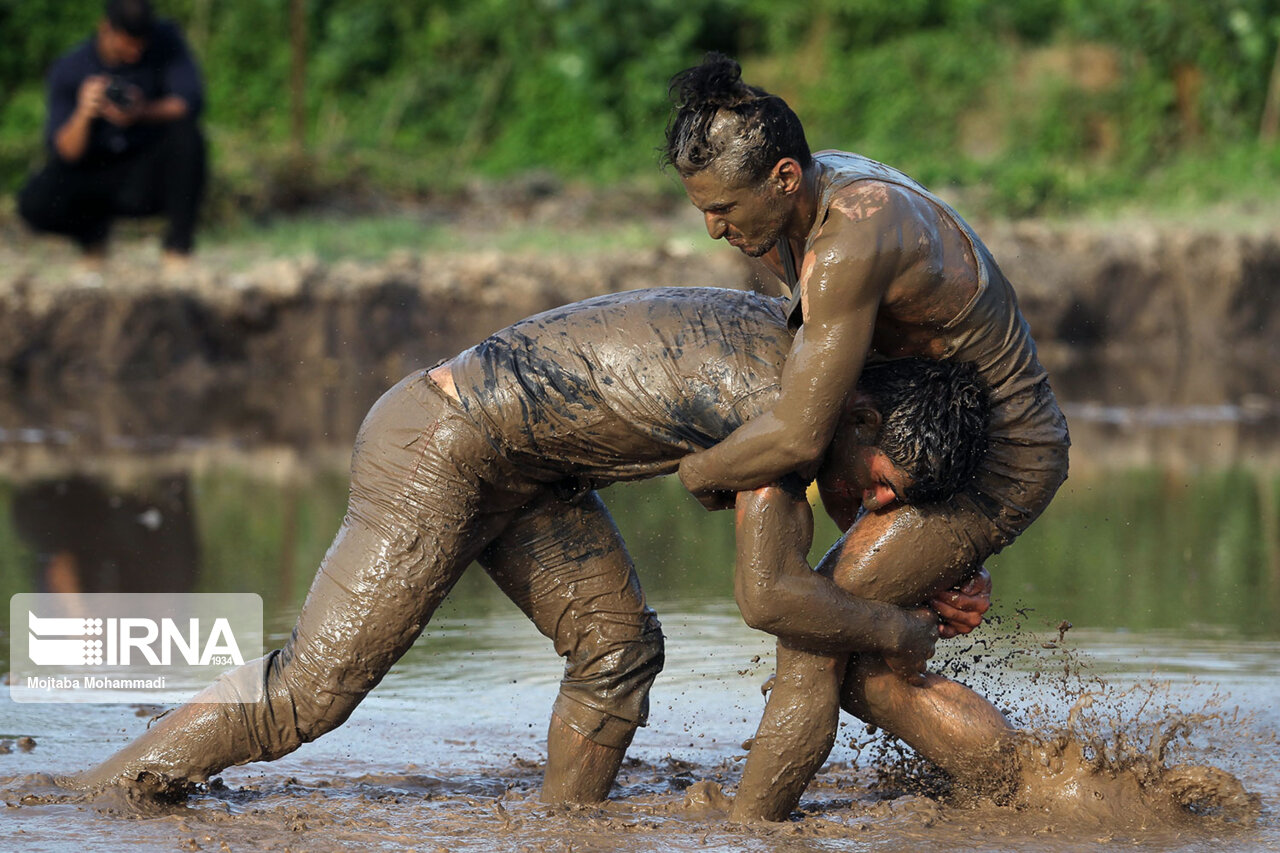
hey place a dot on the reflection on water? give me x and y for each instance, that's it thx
(88, 537)
(1136, 549)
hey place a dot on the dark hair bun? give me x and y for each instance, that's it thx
(717, 82)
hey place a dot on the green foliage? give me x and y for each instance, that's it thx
(1040, 105)
(19, 566)
(935, 85)
(38, 32)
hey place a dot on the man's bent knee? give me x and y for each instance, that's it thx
(37, 205)
(604, 695)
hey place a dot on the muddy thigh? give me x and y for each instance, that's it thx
(902, 555)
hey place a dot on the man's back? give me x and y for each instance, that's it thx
(948, 298)
(621, 386)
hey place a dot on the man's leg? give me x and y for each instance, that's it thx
(167, 178)
(564, 563)
(795, 735)
(900, 556)
(909, 553)
(69, 201)
(412, 527)
(904, 556)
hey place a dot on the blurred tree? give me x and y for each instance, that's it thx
(432, 87)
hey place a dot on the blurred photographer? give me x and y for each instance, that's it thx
(122, 135)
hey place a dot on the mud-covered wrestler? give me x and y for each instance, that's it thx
(879, 268)
(494, 457)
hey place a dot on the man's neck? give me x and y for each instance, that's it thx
(100, 51)
(805, 209)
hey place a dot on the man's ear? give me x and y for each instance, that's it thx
(864, 419)
(787, 175)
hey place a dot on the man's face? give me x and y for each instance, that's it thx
(117, 47)
(749, 218)
(855, 472)
(862, 475)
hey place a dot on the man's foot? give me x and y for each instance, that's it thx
(89, 270)
(175, 264)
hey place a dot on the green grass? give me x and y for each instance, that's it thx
(331, 237)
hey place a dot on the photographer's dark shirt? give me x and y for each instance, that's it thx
(165, 68)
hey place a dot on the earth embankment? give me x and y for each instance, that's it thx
(1165, 314)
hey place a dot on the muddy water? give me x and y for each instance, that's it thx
(447, 753)
(1169, 573)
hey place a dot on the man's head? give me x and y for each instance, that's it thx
(124, 31)
(914, 430)
(740, 153)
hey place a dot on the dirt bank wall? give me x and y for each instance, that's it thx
(1173, 296)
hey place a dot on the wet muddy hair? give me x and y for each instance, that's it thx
(934, 420)
(717, 119)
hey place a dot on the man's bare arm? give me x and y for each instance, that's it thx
(71, 140)
(777, 592)
(845, 275)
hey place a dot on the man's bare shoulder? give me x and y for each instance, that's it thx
(882, 216)
(872, 199)
(870, 218)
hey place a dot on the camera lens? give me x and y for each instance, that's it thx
(117, 93)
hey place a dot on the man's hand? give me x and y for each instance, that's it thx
(130, 113)
(915, 646)
(92, 96)
(709, 498)
(72, 138)
(961, 608)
